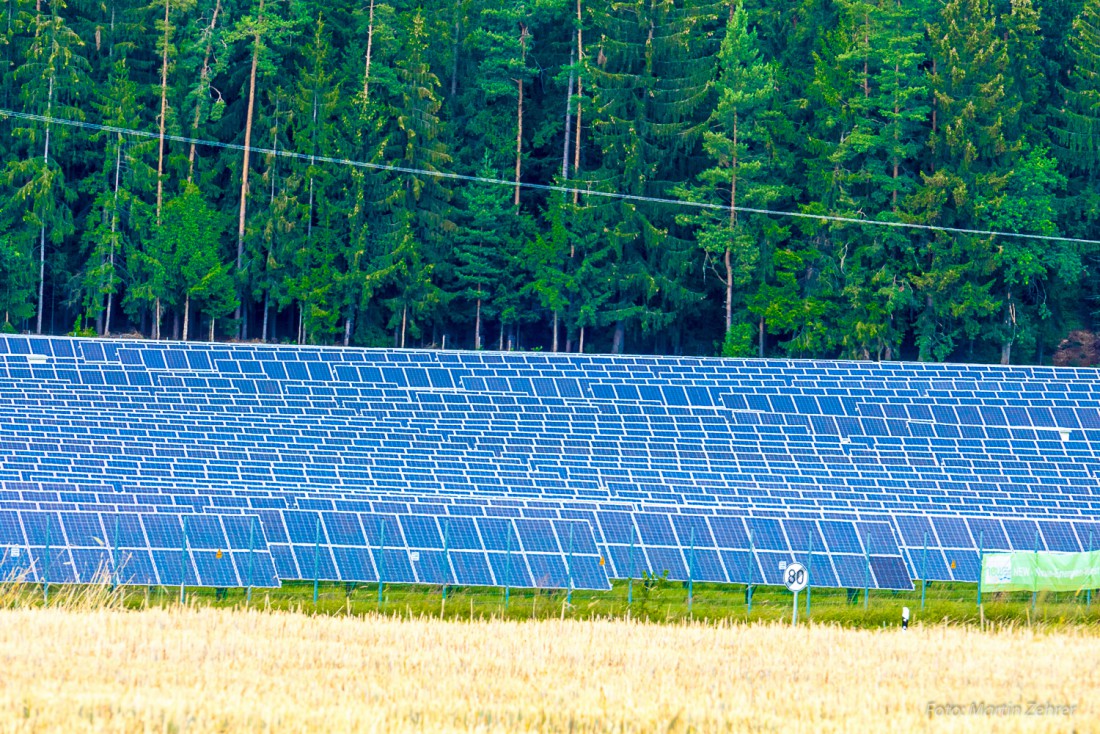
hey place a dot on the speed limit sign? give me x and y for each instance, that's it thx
(795, 577)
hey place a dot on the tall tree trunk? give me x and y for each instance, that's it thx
(204, 75)
(41, 277)
(267, 312)
(1010, 325)
(156, 316)
(42, 233)
(523, 35)
(618, 341)
(163, 112)
(274, 227)
(454, 55)
(477, 322)
(243, 213)
(580, 93)
(760, 338)
(186, 314)
(897, 135)
(211, 338)
(370, 43)
(555, 347)
(568, 121)
(347, 330)
(404, 323)
(733, 227)
(580, 343)
(111, 256)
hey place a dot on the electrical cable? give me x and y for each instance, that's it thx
(312, 158)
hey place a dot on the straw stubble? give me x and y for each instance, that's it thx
(217, 670)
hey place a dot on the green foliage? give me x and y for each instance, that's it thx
(738, 341)
(968, 114)
(17, 283)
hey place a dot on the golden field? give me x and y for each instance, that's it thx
(203, 669)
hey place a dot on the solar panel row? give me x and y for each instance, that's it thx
(792, 453)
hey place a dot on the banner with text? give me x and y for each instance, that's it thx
(1042, 571)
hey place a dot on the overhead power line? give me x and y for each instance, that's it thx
(312, 158)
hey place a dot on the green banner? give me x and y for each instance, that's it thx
(1042, 571)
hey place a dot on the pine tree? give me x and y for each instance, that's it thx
(735, 142)
(415, 244)
(190, 236)
(972, 153)
(203, 103)
(16, 284)
(870, 99)
(649, 84)
(264, 32)
(167, 49)
(123, 175)
(1076, 129)
(499, 45)
(51, 79)
(315, 116)
(547, 256)
(480, 247)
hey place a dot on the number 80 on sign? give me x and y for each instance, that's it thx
(795, 577)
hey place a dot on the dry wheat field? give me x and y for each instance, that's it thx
(201, 669)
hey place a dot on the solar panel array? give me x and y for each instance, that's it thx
(530, 469)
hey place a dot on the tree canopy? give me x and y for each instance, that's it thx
(390, 173)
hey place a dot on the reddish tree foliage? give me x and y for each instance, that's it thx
(1079, 349)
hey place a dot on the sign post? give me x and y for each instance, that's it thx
(796, 579)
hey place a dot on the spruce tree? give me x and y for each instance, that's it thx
(51, 79)
(741, 174)
(649, 83)
(124, 175)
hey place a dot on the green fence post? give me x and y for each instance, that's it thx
(809, 574)
(316, 558)
(251, 556)
(569, 569)
(924, 571)
(691, 563)
(46, 569)
(867, 574)
(1035, 577)
(752, 569)
(446, 557)
(508, 568)
(183, 564)
(114, 556)
(381, 559)
(981, 553)
(630, 568)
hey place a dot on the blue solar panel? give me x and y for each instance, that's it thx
(890, 572)
(988, 533)
(742, 567)
(1023, 534)
(616, 432)
(767, 534)
(1059, 536)
(537, 535)
(667, 561)
(841, 536)
(952, 532)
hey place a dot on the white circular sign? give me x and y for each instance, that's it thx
(795, 577)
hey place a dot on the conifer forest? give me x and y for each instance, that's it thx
(646, 176)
